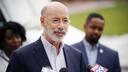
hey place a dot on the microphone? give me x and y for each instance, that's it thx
(63, 70)
(97, 68)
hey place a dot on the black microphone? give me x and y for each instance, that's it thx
(63, 70)
(97, 68)
(89, 67)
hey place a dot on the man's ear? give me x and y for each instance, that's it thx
(42, 20)
(84, 27)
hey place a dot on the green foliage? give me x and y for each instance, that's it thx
(116, 19)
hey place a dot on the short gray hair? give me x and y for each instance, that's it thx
(43, 10)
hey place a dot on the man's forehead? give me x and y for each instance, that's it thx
(55, 17)
(95, 19)
(57, 13)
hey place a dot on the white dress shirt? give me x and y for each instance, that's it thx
(3, 61)
(57, 61)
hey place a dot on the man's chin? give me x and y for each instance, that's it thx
(57, 39)
(93, 41)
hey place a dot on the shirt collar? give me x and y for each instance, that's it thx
(49, 45)
(88, 45)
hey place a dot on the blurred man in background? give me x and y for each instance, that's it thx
(12, 35)
(93, 52)
(49, 53)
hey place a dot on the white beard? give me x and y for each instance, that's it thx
(51, 34)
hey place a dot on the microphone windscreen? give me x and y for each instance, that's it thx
(98, 68)
(89, 67)
(63, 70)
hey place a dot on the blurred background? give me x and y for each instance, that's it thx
(115, 36)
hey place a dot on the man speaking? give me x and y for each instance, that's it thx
(49, 53)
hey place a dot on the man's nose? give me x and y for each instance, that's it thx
(61, 24)
(97, 31)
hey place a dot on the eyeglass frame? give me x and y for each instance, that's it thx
(53, 20)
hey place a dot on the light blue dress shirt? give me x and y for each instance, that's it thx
(91, 52)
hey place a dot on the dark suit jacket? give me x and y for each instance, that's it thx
(33, 57)
(108, 58)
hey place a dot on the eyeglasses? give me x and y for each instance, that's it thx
(58, 20)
